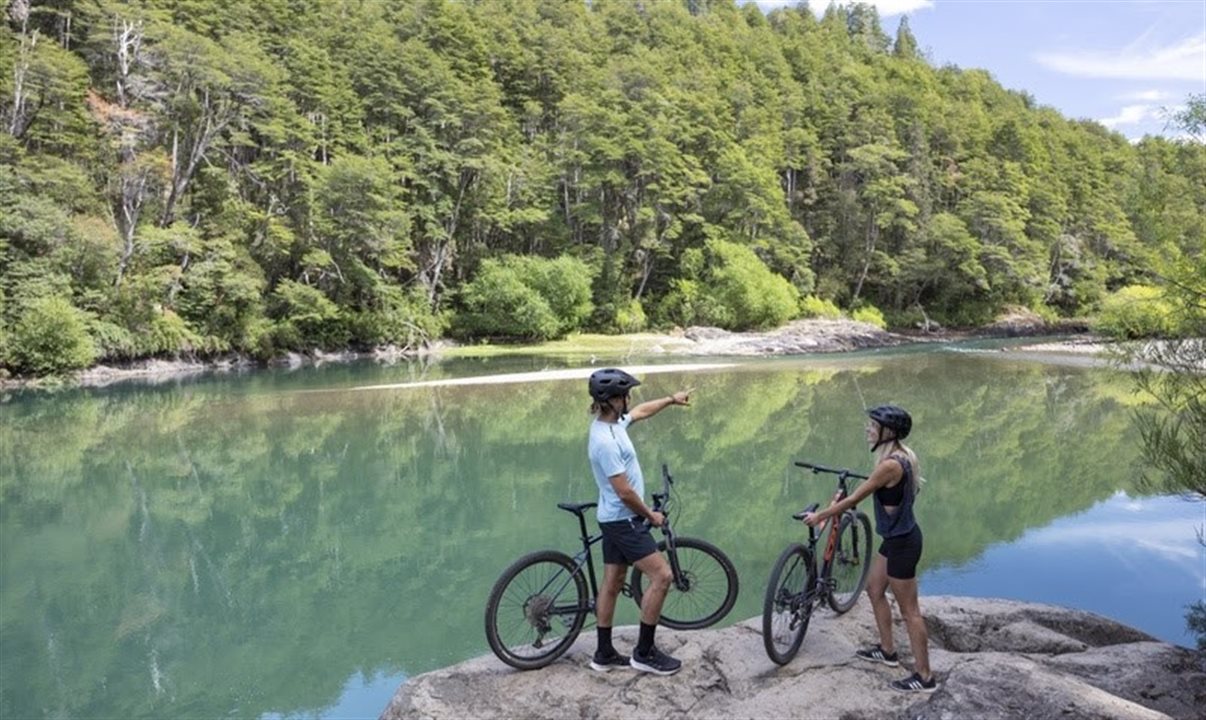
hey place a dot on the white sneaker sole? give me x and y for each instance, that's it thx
(636, 665)
(608, 668)
(889, 663)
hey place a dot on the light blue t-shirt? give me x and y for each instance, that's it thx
(611, 453)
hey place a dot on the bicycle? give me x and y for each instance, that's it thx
(539, 604)
(796, 587)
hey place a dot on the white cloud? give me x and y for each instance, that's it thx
(1147, 96)
(885, 7)
(1131, 115)
(1184, 59)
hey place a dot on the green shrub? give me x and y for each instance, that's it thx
(815, 307)
(306, 318)
(51, 337)
(1136, 311)
(564, 283)
(497, 303)
(734, 290)
(526, 298)
(686, 304)
(870, 314)
(755, 296)
(167, 334)
(401, 317)
(112, 340)
(631, 317)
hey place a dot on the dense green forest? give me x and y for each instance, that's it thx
(257, 176)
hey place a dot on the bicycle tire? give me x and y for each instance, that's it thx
(787, 607)
(851, 559)
(705, 567)
(555, 582)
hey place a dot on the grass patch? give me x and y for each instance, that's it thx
(603, 347)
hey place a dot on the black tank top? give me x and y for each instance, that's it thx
(895, 495)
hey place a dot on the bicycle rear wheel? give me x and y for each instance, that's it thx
(536, 609)
(846, 572)
(710, 586)
(788, 604)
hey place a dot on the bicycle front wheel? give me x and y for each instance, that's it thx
(708, 586)
(846, 572)
(788, 604)
(536, 609)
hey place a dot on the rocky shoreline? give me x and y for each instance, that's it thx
(993, 659)
(796, 338)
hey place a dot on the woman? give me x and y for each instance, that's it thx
(894, 481)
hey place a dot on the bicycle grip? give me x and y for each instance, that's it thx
(810, 509)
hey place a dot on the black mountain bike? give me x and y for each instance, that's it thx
(540, 603)
(796, 587)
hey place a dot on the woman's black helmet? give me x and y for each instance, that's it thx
(893, 417)
(611, 382)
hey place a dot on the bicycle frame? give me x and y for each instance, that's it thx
(843, 491)
(585, 558)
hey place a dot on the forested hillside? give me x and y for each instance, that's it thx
(256, 176)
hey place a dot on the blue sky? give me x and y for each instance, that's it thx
(1120, 62)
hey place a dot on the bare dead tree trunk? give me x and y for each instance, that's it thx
(872, 238)
(19, 12)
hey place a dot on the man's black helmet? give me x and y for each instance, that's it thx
(891, 416)
(611, 382)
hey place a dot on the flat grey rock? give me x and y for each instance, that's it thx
(993, 659)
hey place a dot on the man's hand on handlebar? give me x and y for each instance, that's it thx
(656, 518)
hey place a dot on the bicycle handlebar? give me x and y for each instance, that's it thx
(823, 469)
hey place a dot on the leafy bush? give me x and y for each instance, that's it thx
(631, 317)
(735, 291)
(51, 337)
(870, 314)
(306, 318)
(752, 295)
(815, 307)
(525, 297)
(686, 304)
(168, 334)
(401, 317)
(1136, 311)
(112, 340)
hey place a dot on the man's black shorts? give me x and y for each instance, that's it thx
(626, 541)
(902, 553)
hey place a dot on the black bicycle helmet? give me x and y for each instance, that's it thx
(610, 382)
(894, 418)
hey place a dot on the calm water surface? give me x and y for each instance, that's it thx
(282, 545)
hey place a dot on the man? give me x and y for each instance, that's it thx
(625, 520)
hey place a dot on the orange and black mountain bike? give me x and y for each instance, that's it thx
(798, 583)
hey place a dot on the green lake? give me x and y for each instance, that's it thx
(288, 544)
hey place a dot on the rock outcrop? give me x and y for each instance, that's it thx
(794, 338)
(993, 659)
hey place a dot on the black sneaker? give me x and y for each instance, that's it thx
(877, 654)
(606, 663)
(914, 684)
(656, 662)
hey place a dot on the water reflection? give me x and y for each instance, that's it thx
(1137, 560)
(236, 547)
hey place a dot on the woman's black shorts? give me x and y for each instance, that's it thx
(626, 541)
(902, 552)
